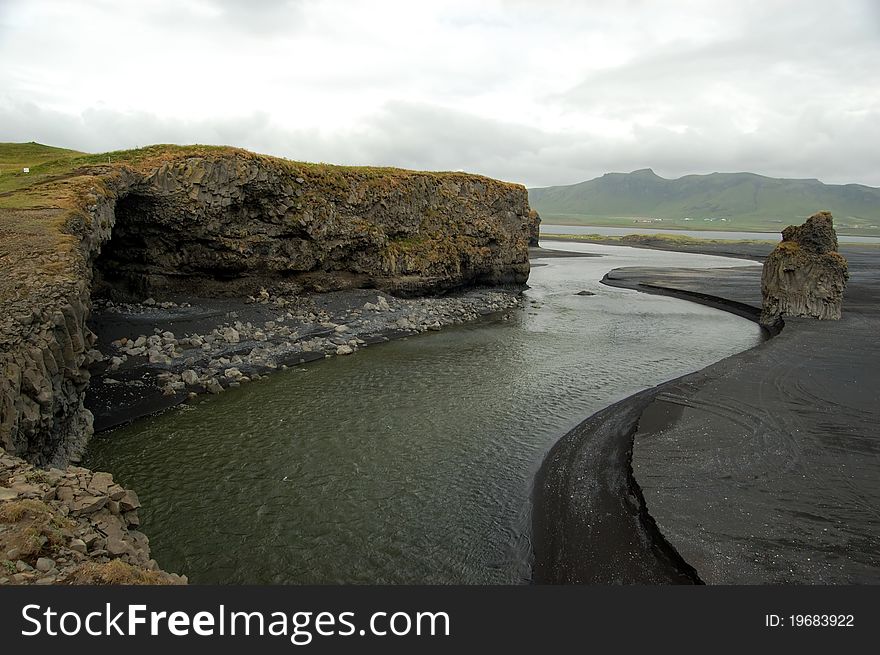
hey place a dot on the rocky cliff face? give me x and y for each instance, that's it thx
(224, 221)
(226, 225)
(804, 275)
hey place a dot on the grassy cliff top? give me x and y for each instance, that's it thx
(19, 190)
(36, 207)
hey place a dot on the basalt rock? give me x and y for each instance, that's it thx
(222, 221)
(534, 229)
(804, 275)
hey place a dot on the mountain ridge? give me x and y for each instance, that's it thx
(742, 200)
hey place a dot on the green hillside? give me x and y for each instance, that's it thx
(15, 156)
(719, 201)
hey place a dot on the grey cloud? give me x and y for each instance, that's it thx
(804, 73)
(428, 137)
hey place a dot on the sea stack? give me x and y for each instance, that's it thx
(534, 229)
(804, 275)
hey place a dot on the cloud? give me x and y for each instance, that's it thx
(536, 93)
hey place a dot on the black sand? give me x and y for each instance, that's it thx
(762, 468)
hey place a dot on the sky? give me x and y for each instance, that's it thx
(542, 93)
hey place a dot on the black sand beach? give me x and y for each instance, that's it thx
(759, 469)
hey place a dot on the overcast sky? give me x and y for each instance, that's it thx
(535, 92)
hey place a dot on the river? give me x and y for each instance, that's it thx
(411, 461)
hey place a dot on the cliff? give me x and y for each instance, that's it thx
(804, 275)
(217, 221)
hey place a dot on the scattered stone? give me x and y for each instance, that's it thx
(344, 350)
(86, 505)
(585, 293)
(45, 564)
(129, 501)
(189, 377)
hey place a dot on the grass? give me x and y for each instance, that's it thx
(32, 528)
(115, 572)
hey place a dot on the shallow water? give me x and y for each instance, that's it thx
(411, 461)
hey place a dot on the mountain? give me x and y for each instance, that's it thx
(717, 201)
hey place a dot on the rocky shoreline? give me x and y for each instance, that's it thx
(175, 351)
(71, 526)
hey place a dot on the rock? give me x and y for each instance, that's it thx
(213, 386)
(45, 564)
(382, 304)
(100, 483)
(804, 275)
(91, 539)
(87, 505)
(78, 545)
(344, 350)
(232, 373)
(230, 335)
(534, 229)
(585, 293)
(116, 547)
(158, 357)
(7, 494)
(129, 501)
(64, 494)
(189, 377)
(340, 328)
